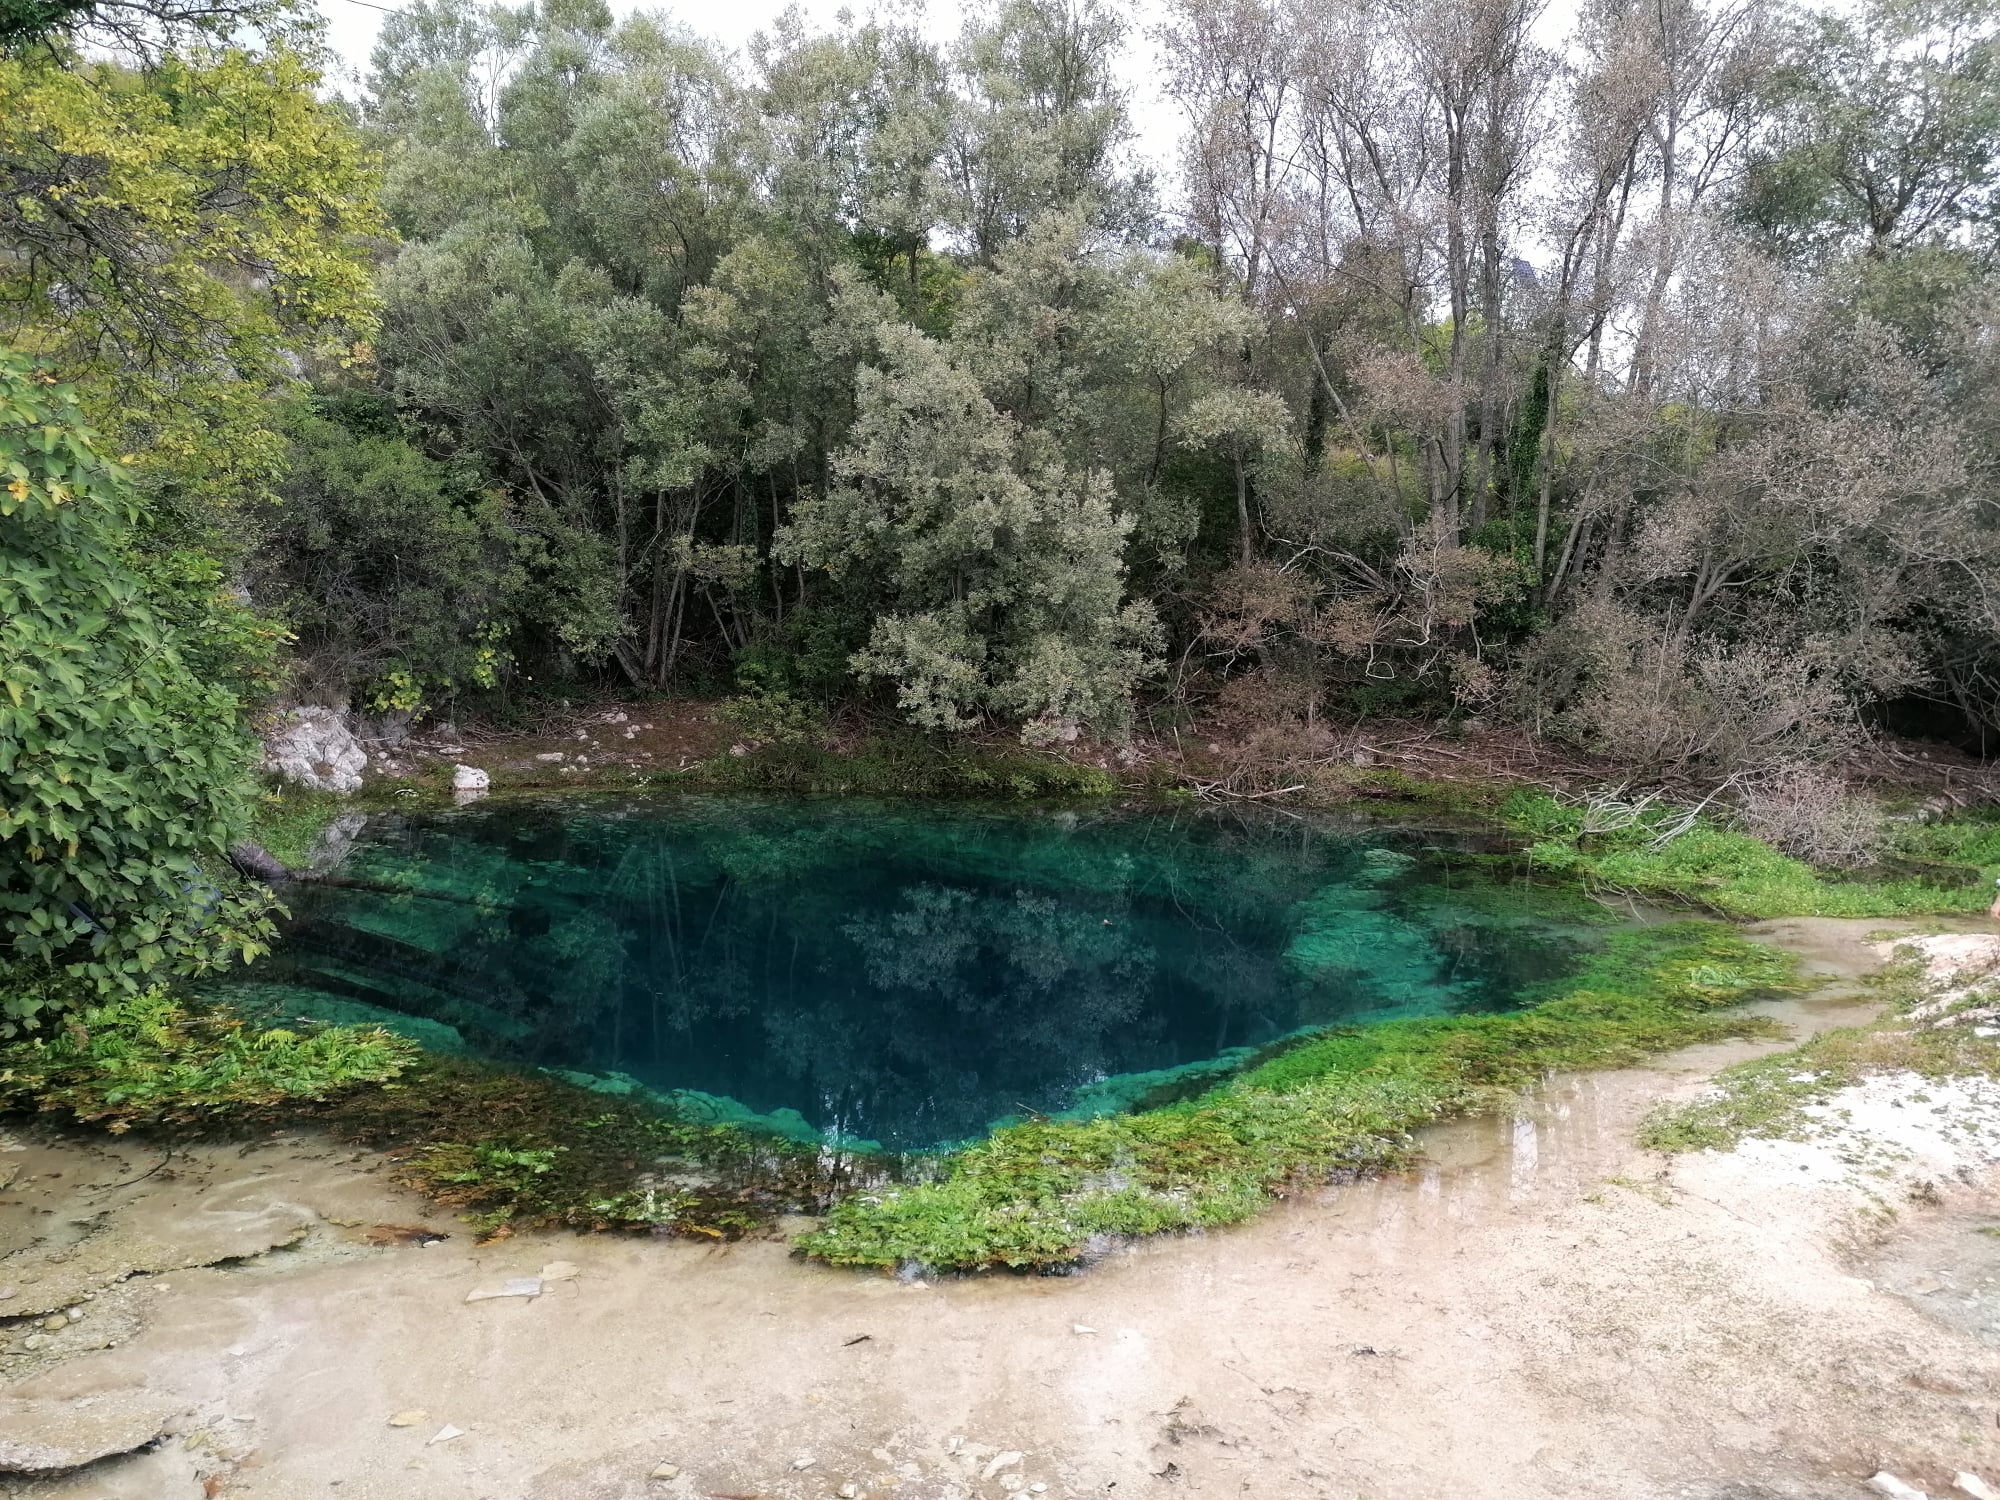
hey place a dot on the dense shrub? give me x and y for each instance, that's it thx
(122, 772)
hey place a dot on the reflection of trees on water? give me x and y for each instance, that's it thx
(901, 973)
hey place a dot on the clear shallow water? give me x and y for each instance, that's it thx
(902, 975)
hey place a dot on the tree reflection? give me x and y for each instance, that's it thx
(905, 975)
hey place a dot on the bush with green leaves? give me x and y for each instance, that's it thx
(398, 574)
(123, 771)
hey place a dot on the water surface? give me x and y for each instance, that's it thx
(897, 974)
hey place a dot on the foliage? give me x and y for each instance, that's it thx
(776, 717)
(907, 765)
(397, 574)
(1884, 128)
(153, 1059)
(121, 771)
(176, 234)
(1041, 1193)
(998, 571)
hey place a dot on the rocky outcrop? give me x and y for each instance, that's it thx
(41, 1437)
(315, 747)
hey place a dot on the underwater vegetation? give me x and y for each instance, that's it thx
(869, 975)
(521, 1148)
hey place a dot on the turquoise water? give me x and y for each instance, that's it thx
(882, 973)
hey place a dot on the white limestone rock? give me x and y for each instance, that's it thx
(314, 747)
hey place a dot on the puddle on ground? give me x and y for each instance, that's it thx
(1575, 1132)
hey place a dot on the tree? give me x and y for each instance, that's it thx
(397, 573)
(174, 235)
(122, 772)
(996, 570)
(1883, 129)
(1040, 122)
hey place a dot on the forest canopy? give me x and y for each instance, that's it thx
(1631, 378)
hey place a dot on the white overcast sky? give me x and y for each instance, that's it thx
(352, 25)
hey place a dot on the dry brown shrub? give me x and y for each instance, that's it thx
(1808, 812)
(1626, 687)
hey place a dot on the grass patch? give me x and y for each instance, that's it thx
(1346, 1101)
(1771, 1097)
(1731, 873)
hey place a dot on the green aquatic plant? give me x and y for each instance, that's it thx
(1731, 873)
(153, 1059)
(518, 1148)
(1043, 1192)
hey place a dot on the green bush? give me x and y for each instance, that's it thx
(123, 771)
(397, 573)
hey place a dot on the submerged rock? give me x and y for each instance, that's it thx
(41, 1437)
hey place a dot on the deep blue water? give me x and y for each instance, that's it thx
(904, 975)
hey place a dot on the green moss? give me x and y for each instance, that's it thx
(289, 820)
(151, 1059)
(1770, 1097)
(1344, 1101)
(1719, 869)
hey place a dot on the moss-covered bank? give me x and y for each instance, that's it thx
(1932, 868)
(512, 1148)
(1043, 1192)
(1771, 1097)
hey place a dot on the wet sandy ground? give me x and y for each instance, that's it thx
(1542, 1310)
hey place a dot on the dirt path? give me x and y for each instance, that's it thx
(1544, 1310)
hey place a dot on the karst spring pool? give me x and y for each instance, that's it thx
(870, 973)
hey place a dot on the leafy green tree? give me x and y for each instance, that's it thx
(1041, 122)
(1883, 131)
(122, 772)
(997, 570)
(174, 235)
(384, 562)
